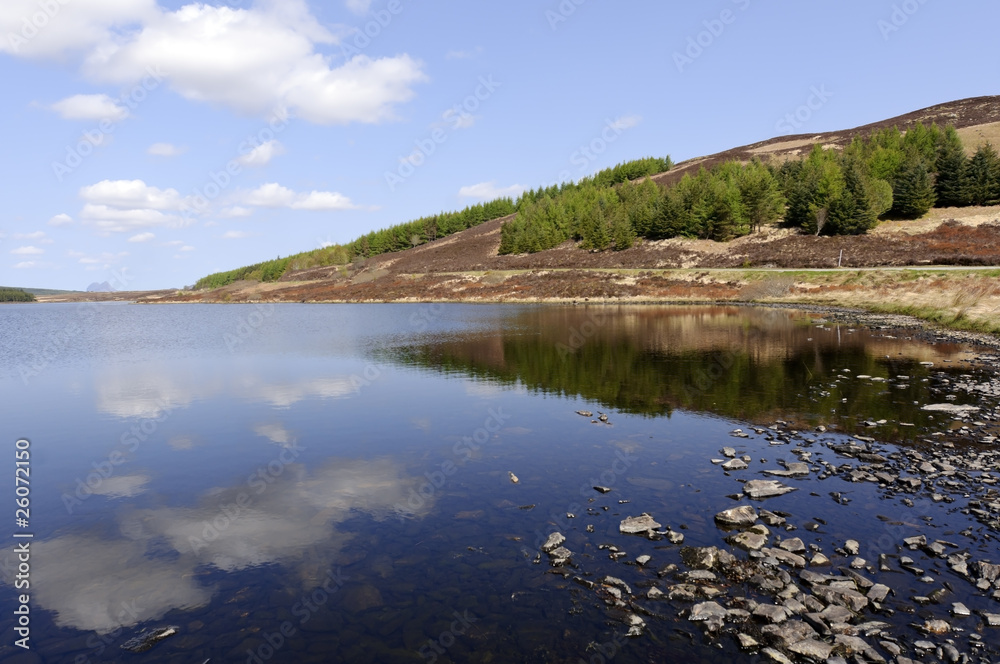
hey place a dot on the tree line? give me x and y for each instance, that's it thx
(15, 295)
(831, 192)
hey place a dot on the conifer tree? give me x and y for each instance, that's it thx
(913, 190)
(982, 186)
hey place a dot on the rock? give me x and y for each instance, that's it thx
(791, 632)
(794, 469)
(744, 515)
(816, 650)
(851, 599)
(915, 542)
(705, 557)
(638, 525)
(853, 644)
(636, 625)
(585, 413)
(602, 489)
(786, 557)
(960, 610)
(794, 545)
(642, 560)
(988, 571)
(760, 489)
(654, 593)
(707, 611)
(950, 408)
(728, 452)
(748, 541)
(615, 581)
(149, 638)
(554, 540)
(936, 627)
(992, 619)
(746, 642)
(513, 477)
(771, 519)
(560, 556)
(852, 547)
(735, 464)
(361, 598)
(675, 537)
(819, 560)
(776, 655)
(771, 613)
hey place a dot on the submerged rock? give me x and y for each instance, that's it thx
(148, 639)
(745, 515)
(554, 540)
(638, 525)
(759, 489)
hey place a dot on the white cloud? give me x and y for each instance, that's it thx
(359, 7)
(61, 220)
(274, 195)
(187, 247)
(165, 150)
(256, 60)
(25, 265)
(90, 107)
(27, 251)
(173, 243)
(112, 220)
(131, 194)
(142, 237)
(37, 235)
(123, 206)
(626, 122)
(234, 235)
(103, 261)
(489, 191)
(80, 25)
(262, 154)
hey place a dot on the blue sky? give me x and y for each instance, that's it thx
(151, 143)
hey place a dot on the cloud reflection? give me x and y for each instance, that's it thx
(95, 583)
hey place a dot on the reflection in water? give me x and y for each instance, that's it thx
(752, 364)
(282, 514)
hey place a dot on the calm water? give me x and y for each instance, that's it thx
(297, 483)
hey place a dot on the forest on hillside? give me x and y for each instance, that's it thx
(889, 174)
(15, 295)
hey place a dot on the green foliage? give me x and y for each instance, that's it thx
(913, 191)
(631, 170)
(853, 211)
(394, 238)
(982, 179)
(811, 189)
(15, 295)
(951, 164)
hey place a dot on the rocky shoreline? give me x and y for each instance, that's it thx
(784, 589)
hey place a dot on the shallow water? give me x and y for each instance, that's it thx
(299, 483)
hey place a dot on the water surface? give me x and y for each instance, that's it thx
(300, 483)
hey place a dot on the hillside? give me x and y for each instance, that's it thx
(466, 265)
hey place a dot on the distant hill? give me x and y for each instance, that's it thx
(103, 287)
(46, 291)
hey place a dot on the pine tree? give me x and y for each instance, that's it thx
(913, 191)
(760, 195)
(982, 186)
(853, 211)
(952, 166)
